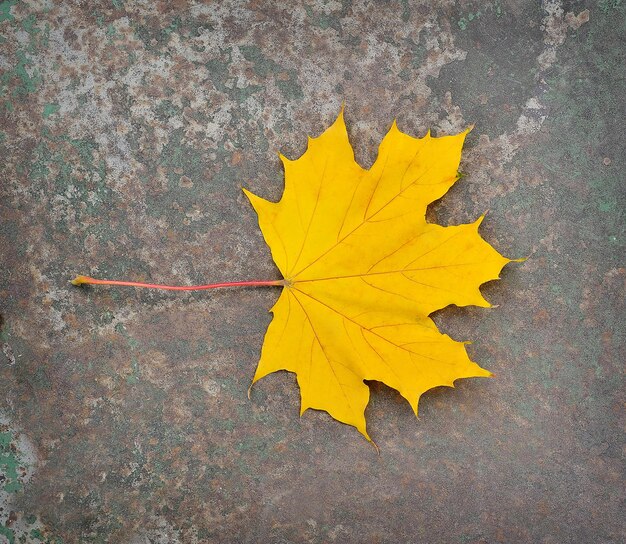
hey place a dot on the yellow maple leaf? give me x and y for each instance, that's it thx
(363, 270)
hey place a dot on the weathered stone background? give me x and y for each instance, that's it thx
(127, 130)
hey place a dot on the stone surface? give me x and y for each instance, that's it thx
(127, 130)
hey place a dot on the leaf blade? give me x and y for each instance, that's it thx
(364, 270)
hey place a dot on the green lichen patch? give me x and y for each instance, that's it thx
(50, 109)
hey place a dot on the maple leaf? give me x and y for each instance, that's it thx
(363, 270)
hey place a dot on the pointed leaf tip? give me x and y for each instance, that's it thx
(251, 196)
(284, 159)
(340, 119)
(480, 220)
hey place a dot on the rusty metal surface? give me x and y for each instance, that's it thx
(127, 130)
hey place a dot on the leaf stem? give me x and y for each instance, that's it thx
(86, 280)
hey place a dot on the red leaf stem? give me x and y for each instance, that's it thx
(86, 280)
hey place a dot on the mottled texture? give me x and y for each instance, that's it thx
(127, 130)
